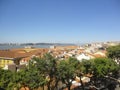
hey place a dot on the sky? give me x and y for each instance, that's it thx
(59, 21)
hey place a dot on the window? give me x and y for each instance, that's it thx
(7, 61)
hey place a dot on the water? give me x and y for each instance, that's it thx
(3, 47)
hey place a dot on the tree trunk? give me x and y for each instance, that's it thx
(68, 87)
(43, 87)
(81, 83)
(48, 86)
(24, 87)
(56, 84)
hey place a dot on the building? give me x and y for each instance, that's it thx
(5, 61)
(18, 56)
(83, 56)
(8, 57)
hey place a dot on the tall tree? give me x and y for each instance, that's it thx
(103, 66)
(50, 70)
(6, 79)
(113, 52)
(40, 66)
(36, 74)
(66, 71)
(46, 66)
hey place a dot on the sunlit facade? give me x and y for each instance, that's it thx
(4, 62)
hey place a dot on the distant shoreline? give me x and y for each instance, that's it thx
(5, 47)
(21, 44)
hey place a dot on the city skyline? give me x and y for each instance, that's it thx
(63, 21)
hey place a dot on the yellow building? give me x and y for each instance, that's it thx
(8, 57)
(5, 61)
(18, 56)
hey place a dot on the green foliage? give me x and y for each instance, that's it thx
(103, 66)
(48, 70)
(85, 66)
(73, 61)
(5, 79)
(50, 64)
(34, 76)
(66, 71)
(46, 67)
(114, 52)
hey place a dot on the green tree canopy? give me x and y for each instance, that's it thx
(114, 52)
(66, 71)
(6, 79)
(103, 66)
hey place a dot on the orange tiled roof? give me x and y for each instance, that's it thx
(21, 53)
(98, 55)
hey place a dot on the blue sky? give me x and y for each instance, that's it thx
(64, 21)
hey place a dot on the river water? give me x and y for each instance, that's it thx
(3, 47)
